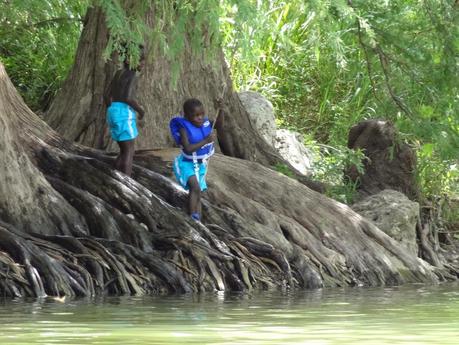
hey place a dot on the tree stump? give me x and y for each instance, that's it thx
(390, 164)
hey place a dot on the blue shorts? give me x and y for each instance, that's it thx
(184, 169)
(121, 119)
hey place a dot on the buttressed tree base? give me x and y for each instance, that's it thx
(71, 225)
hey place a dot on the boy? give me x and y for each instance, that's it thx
(120, 99)
(194, 133)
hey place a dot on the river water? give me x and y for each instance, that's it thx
(399, 315)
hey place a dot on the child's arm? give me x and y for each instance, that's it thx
(218, 125)
(219, 103)
(190, 148)
(136, 106)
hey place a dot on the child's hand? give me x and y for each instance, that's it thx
(211, 138)
(141, 113)
(219, 103)
(141, 122)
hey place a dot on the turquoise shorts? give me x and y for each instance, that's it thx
(184, 169)
(121, 119)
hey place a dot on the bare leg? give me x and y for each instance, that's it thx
(194, 198)
(117, 161)
(123, 162)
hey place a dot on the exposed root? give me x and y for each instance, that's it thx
(72, 225)
(137, 238)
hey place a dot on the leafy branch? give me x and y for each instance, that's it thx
(384, 63)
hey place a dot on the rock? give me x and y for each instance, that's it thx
(290, 146)
(261, 114)
(393, 213)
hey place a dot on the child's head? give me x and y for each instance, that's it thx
(194, 111)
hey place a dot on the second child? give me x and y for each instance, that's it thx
(122, 104)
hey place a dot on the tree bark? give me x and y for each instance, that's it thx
(87, 229)
(78, 113)
(24, 192)
(389, 163)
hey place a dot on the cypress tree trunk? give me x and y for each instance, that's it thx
(78, 112)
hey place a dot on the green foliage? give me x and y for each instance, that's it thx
(127, 28)
(451, 216)
(325, 65)
(283, 169)
(438, 175)
(39, 38)
(38, 43)
(169, 23)
(329, 64)
(329, 167)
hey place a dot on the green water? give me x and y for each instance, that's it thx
(401, 315)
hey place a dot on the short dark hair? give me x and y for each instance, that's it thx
(190, 104)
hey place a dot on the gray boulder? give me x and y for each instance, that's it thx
(261, 114)
(393, 213)
(290, 146)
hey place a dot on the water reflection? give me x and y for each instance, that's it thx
(399, 315)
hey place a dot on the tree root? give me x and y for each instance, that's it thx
(135, 238)
(72, 226)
